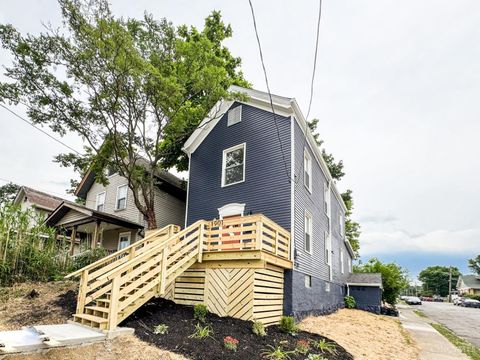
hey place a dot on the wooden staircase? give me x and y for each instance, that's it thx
(114, 287)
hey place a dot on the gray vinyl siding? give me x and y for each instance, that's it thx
(312, 264)
(338, 243)
(168, 209)
(266, 188)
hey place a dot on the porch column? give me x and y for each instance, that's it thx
(73, 236)
(95, 234)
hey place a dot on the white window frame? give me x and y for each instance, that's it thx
(341, 224)
(328, 253)
(307, 168)
(236, 111)
(104, 193)
(126, 197)
(224, 163)
(308, 281)
(342, 265)
(349, 265)
(308, 231)
(326, 199)
(126, 234)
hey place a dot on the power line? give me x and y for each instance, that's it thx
(268, 89)
(39, 129)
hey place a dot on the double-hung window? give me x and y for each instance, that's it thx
(328, 253)
(326, 199)
(121, 202)
(100, 203)
(307, 170)
(342, 267)
(341, 224)
(308, 232)
(233, 165)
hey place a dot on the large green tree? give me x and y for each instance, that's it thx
(352, 228)
(133, 89)
(474, 264)
(435, 279)
(394, 278)
(8, 192)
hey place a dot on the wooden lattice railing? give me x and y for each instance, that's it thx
(114, 287)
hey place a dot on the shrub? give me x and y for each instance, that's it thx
(201, 332)
(287, 324)
(88, 257)
(276, 353)
(161, 329)
(258, 328)
(230, 343)
(325, 346)
(200, 312)
(302, 347)
(315, 357)
(350, 302)
(474, 297)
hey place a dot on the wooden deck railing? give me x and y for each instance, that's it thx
(253, 232)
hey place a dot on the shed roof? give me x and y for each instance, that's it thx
(365, 279)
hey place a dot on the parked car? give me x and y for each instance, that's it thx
(426, 298)
(413, 300)
(470, 303)
(457, 301)
(437, 298)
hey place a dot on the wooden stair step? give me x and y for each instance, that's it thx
(92, 318)
(98, 308)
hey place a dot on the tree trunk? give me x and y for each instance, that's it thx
(151, 219)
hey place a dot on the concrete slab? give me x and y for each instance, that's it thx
(19, 341)
(68, 334)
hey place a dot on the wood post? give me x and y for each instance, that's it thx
(201, 234)
(72, 240)
(114, 302)
(82, 292)
(95, 234)
(259, 235)
(276, 242)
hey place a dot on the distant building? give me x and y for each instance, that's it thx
(40, 203)
(468, 285)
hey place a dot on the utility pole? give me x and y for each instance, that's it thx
(450, 285)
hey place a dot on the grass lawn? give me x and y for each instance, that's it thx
(420, 313)
(468, 349)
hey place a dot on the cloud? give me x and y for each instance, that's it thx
(377, 219)
(435, 242)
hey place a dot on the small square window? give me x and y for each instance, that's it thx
(234, 115)
(327, 287)
(308, 281)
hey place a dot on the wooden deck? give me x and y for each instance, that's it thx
(234, 266)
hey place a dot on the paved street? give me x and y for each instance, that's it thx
(465, 322)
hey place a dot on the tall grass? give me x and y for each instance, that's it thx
(28, 249)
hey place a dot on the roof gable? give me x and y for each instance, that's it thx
(470, 281)
(38, 198)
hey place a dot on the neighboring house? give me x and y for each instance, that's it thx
(468, 285)
(244, 160)
(40, 203)
(366, 288)
(110, 218)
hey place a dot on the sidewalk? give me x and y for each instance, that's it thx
(432, 345)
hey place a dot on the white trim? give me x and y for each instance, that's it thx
(104, 200)
(308, 215)
(224, 162)
(307, 158)
(231, 210)
(283, 106)
(127, 233)
(188, 189)
(292, 189)
(116, 198)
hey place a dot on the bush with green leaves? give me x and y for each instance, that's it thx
(88, 257)
(29, 250)
(288, 325)
(277, 353)
(202, 332)
(302, 347)
(161, 329)
(350, 302)
(258, 328)
(200, 312)
(324, 346)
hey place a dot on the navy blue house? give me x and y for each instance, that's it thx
(244, 160)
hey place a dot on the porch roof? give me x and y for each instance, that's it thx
(86, 215)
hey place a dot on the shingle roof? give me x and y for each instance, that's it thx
(471, 281)
(41, 199)
(365, 279)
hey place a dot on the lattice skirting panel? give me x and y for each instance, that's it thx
(247, 294)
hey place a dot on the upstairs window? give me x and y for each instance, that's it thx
(308, 232)
(342, 267)
(307, 170)
(234, 115)
(121, 202)
(328, 253)
(100, 203)
(349, 265)
(233, 168)
(341, 225)
(326, 199)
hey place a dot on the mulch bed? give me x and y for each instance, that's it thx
(181, 325)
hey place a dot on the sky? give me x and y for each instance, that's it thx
(396, 93)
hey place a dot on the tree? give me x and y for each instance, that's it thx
(394, 278)
(435, 279)
(8, 193)
(474, 264)
(134, 90)
(352, 228)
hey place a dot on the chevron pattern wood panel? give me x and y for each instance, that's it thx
(229, 292)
